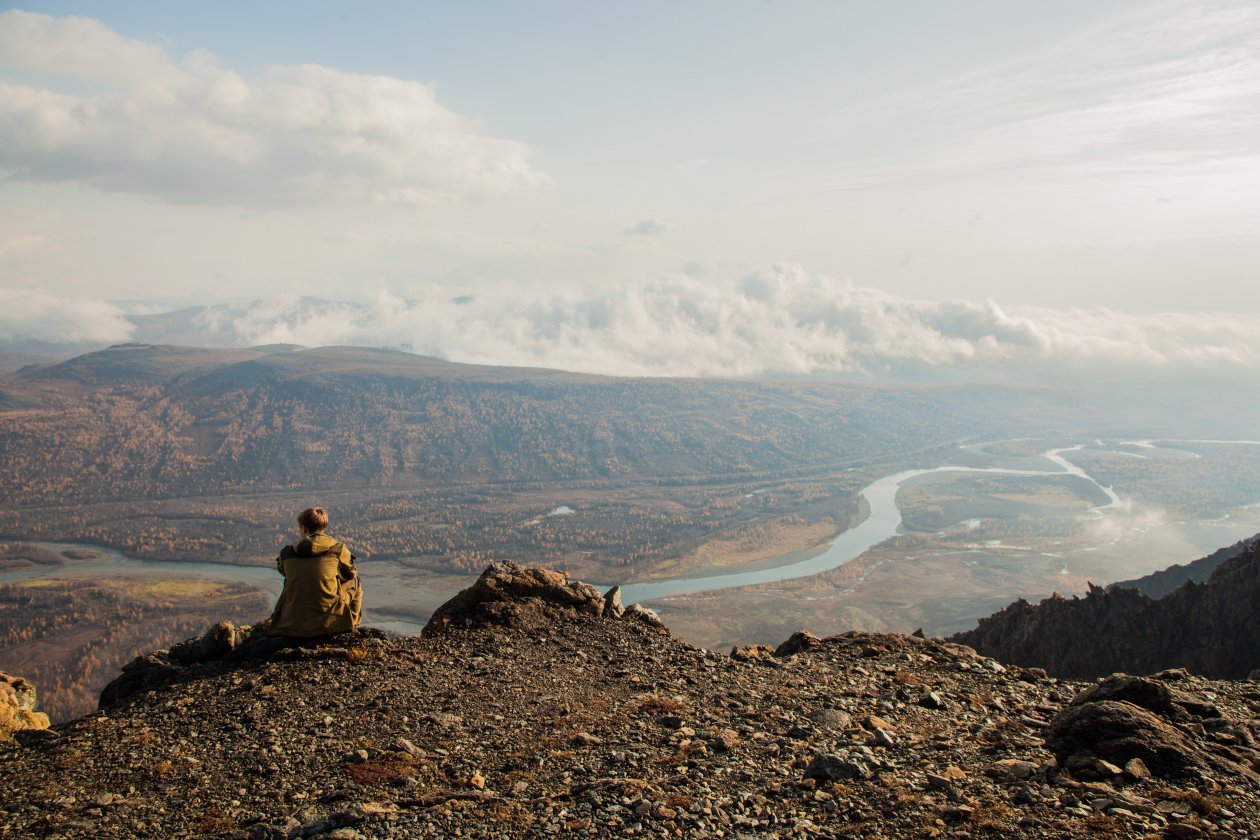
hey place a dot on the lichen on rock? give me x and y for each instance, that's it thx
(17, 707)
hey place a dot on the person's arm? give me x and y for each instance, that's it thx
(285, 553)
(345, 564)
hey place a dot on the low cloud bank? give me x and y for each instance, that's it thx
(779, 321)
(125, 116)
(31, 315)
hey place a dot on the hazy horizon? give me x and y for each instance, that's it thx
(972, 191)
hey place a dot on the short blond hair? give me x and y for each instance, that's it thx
(313, 520)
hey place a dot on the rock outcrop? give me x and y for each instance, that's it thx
(1211, 629)
(508, 594)
(224, 647)
(17, 707)
(505, 595)
(560, 721)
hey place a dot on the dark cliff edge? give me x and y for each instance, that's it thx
(1158, 584)
(534, 706)
(1211, 628)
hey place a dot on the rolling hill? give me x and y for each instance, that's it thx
(143, 421)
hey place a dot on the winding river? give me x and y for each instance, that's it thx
(882, 524)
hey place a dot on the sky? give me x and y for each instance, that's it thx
(657, 188)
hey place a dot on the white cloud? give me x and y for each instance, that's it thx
(77, 47)
(131, 118)
(781, 320)
(33, 315)
(22, 242)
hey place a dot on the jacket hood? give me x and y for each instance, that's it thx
(314, 544)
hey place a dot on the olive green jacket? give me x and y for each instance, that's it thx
(321, 589)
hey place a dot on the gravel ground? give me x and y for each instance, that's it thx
(587, 726)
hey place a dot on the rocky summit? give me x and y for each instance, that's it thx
(534, 706)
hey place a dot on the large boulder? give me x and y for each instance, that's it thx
(17, 707)
(218, 642)
(1119, 732)
(1154, 695)
(511, 595)
(1126, 717)
(799, 641)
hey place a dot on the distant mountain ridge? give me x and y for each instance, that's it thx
(1158, 584)
(153, 420)
(1211, 628)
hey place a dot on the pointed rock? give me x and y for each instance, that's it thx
(1136, 769)
(612, 603)
(799, 641)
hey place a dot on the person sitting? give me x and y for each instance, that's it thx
(321, 585)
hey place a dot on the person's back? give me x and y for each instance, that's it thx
(321, 585)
